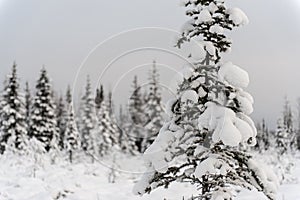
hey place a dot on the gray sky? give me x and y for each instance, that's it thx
(61, 33)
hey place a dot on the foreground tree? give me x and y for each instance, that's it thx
(12, 115)
(43, 124)
(209, 117)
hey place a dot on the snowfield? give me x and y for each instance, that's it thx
(21, 179)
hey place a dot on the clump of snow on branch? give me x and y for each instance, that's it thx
(238, 16)
(234, 75)
(226, 125)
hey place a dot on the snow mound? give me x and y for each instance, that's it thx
(234, 75)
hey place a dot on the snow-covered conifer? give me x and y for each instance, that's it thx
(282, 137)
(99, 97)
(28, 104)
(43, 124)
(284, 159)
(127, 142)
(263, 137)
(61, 115)
(286, 139)
(153, 108)
(110, 104)
(88, 119)
(12, 115)
(71, 134)
(68, 96)
(209, 117)
(298, 122)
(137, 115)
(108, 130)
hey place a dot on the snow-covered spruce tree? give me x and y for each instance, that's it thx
(285, 135)
(284, 160)
(72, 141)
(209, 117)
(288, 120)
(153, 108)
(263, 137)
(127, 142)
(43, 124)
(12, 115)
(298, 123)
(282, 137)
(286, 145)
(28, 104)
(61, 115)
(136, 127)
(88, 119)
(68, 96)
(99, 97)
(110, 103)
(108, 130)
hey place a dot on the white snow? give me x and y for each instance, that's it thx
(82, 181)
(206, 167)
(238, 16)
(212, 165)
(204, 17)
(187, 71)
(210, 48)
(197, 50)
(226, 125)
(234, 75)
(202, 92)
(267, 177)
(189, 95)
(245, 102)
(212, 7)
(216, 29)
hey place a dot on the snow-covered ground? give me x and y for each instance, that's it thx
(23, 180)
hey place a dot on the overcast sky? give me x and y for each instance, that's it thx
(60, 34)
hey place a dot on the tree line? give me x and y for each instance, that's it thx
(47, 123)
